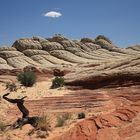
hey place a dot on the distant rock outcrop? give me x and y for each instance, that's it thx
(23, 44)
(92, 60)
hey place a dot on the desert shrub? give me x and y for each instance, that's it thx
(43, 123)
(62, 119)
(27, 78)
(11, 86)
(58, 82)
(81, 115)
(41, 127)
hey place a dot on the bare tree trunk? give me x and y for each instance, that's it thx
(25, 113)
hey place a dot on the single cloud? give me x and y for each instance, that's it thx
(53, 14)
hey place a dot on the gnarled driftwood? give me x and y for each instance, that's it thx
(25, 113)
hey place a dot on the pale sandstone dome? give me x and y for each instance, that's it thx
(91, 64)
(23, 44)
(60, 51)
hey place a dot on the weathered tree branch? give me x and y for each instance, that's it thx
(19, 102)
(25, 113)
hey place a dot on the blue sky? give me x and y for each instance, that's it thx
(117, 19)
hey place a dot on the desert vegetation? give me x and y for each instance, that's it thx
(58, 82)
(43, 123)
(85, 67)
(42, 126)
(27, 78)
(11, 86)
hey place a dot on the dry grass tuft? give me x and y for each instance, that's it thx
(62, 119)
(44, 124)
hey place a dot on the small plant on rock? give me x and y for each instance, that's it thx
(11, 86)
(58, 82)
(43, 123)
(27, 78)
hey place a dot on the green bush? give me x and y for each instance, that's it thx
(11, 86)
(27, 78)
(58, 82)
(43, 123)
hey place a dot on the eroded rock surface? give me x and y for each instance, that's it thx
(120, 122)
(60, 51)
(112, 108)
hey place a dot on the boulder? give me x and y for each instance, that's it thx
(87, 40)
(24, 44)
(104, 38)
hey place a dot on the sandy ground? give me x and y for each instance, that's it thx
(40, 96)
(38, 91)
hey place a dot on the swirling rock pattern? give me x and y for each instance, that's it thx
(96, 61)
(100, 50)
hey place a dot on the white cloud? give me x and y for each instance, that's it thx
(53, 14)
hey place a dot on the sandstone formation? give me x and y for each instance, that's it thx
(60, 51)
(121, 122)
(112, 112)
(94, 62)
